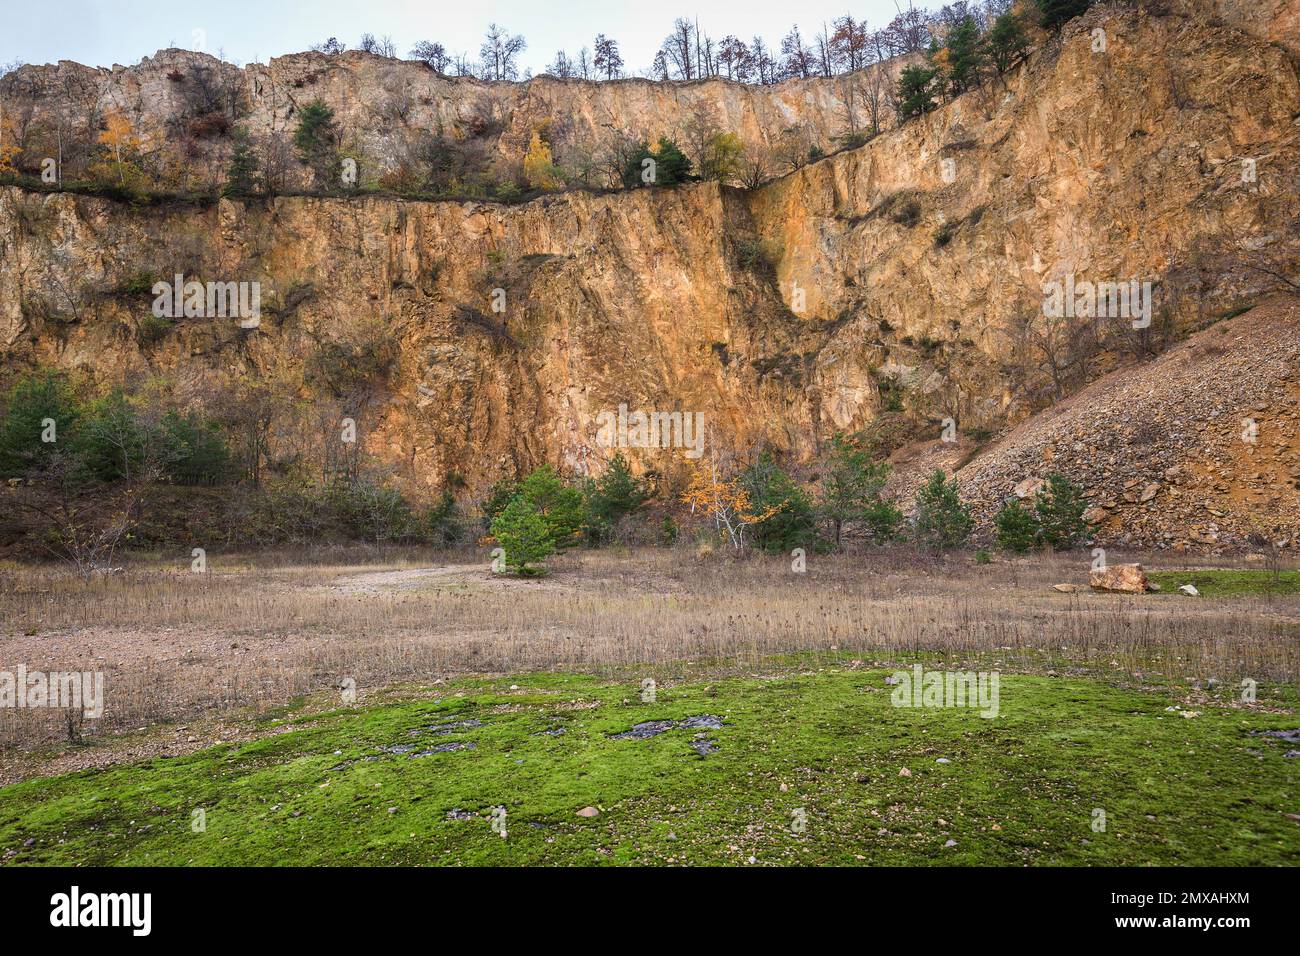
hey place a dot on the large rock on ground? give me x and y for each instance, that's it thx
(1125, 578)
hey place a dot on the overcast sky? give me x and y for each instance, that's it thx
(102, 32)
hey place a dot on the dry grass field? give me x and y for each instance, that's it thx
(262, 631)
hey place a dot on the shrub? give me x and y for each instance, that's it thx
(908, 214)
(524, 535)
(442, 524)
(137, 284)
(1017, 528)
(208, 126)
(761, 255)
(152, 329)
(668, 531)
(372, 511)
(942, 522)
(1056, 13)
(347, 368)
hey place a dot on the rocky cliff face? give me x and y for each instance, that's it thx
(905, 273)
(384, 106)
(1111, 166)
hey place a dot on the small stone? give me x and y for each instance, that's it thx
(588, 812)
(1189, 590)
(904, 772)
(951, 843)
(943, 760)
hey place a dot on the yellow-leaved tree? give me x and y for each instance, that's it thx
(539, 167)
(121, 141)
(9, 147)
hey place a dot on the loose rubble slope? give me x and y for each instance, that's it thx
(1166, 451)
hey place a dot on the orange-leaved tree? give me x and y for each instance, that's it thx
(725, 501)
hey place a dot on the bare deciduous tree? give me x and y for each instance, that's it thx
(433, 55)
(500, 53)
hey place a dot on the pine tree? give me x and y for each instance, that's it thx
(792, 522)
(915, 93)
(883, 521)
(441, 523)
(1007, 41)
(612, 497)
(241, 174)
(1016, 526)
(942, 522)
(965, 56)
(1060, 506)
(499, 495)
(560, 506)
(32, 400)
(850, 491)
(316, 140)
(524, 535)
(670, 165)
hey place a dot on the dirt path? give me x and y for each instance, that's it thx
(447, 575)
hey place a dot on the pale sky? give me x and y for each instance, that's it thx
(102, 32)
